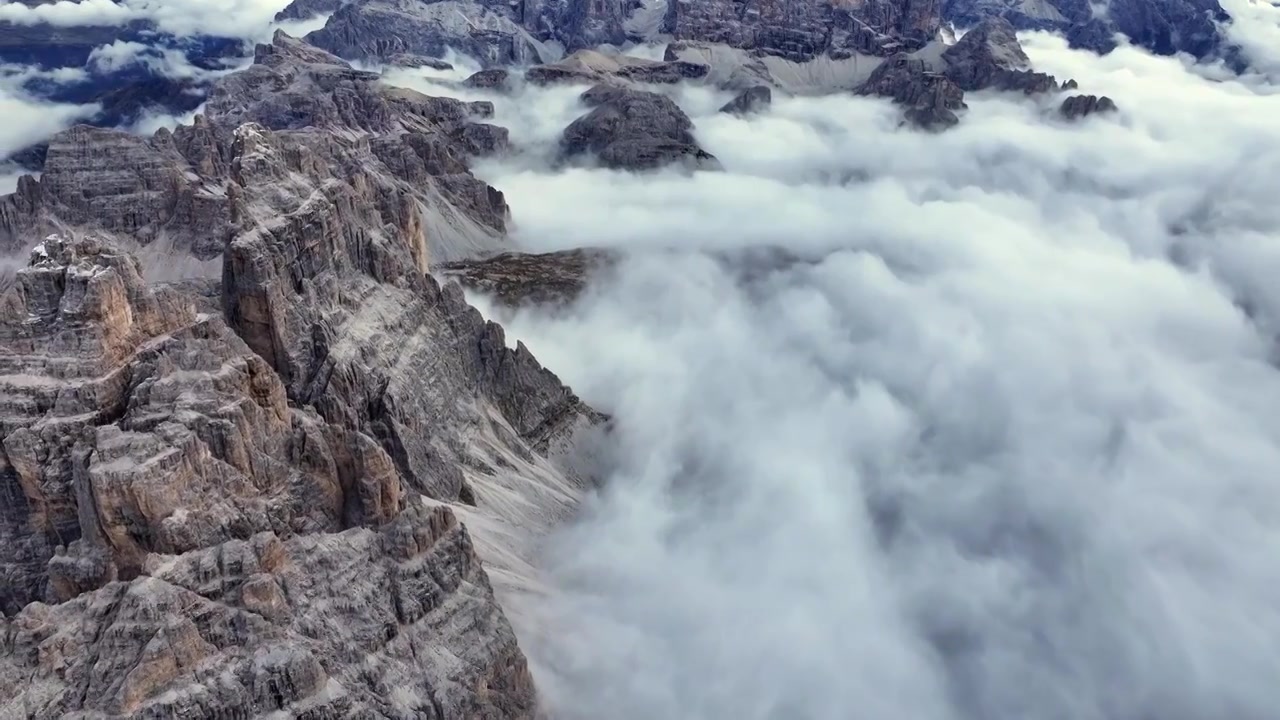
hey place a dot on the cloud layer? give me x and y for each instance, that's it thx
(28, 120)
(227, 18)
(1000, 446)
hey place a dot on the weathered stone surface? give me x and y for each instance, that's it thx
(379, 29)
(525, 31)
(521, 279)
(250, 507)
(751, 100)
(491, 79)
(591, 67)
(664, 73)
(990, 57)
(930, 99)
(176, 187)
(1164, 27)
(1078, 106)
(409, 60)
(803, 29)
(323, 627)
(497, 32)
(305, 9)
(132, 424)
(561, 74)
(634, 130)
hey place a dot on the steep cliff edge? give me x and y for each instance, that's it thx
(278, 505)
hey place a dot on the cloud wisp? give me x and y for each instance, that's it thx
(999, 445)
(226, 18)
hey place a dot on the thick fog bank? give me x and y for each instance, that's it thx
(1003, 447)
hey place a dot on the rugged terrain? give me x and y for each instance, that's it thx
(250, 505)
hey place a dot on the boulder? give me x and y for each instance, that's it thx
(631, 129)
(930, 99)
(1078, 106)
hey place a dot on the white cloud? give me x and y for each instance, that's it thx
(28, 121)
(1002, 447)
(229, 18)
(123, 54)
(9, 175)
(1256, 28)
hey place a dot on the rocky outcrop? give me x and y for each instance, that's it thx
(930, 99)
(409, 60)
(523, 279)
(1164, 27)
(1078, 106)
(631, 129)
(591, 67)
(306, 9)
(804, 29)
(496, 32)
(990, 57)
(375, 30)
(527, 31)
(751, 100)
(344, 124)
(269, 495)
(520, 31)
(491, 79)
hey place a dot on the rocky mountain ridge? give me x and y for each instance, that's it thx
(254, 507)
(408, 151)
(532, 31)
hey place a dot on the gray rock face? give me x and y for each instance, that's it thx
(379, 29)
(491, 79)
(664, 73)
(1164, 27)
(990, 57)
(632, 129)
(497, 32)
(175, 188)
(751, 100)
(305, 9)
(1078, 106)
(409, 60)
(591, 67)
(525, 31)
(273, 501)
(803, 29)
(930, 99)
(520, 279)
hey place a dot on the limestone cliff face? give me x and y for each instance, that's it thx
(801, 30)
(273, 491)
(529, 31)
(405, 152)
(1165, 27)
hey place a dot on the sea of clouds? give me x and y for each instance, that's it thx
(997, 441)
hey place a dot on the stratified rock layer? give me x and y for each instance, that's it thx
(404, 152)
(270, 498)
